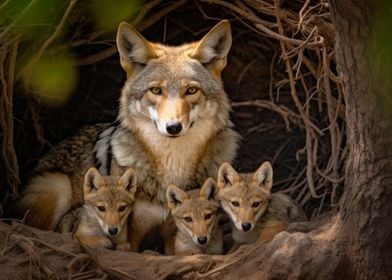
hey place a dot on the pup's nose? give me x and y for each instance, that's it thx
(246, 226)
(202, 240)
(174, 128)
(113, 230)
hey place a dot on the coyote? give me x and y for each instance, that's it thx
(173, 128)
(257, 215)
(103, 219)
(195, 214)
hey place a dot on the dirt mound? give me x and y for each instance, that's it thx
(29, 253)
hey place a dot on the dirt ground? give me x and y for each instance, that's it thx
(29, 253)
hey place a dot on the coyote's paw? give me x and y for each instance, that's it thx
(96, 241)
(123, 246)
(105, 243)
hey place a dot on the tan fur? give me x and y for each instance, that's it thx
(59, 178)
(271, 228)
(257, 215)
(49, 193)
(141, 139)
(195, 214)
(108, 201)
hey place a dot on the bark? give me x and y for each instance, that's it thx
(366, 233)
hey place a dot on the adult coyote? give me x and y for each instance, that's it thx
(173, 128)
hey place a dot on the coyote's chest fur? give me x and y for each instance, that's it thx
(160, 161)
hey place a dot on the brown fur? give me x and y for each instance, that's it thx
(195, 214)
(43, 202)
(257, 215)
(58, 176)
(108, 201)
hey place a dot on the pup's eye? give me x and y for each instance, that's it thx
(191, 90)
(207, 216)
(122, 208)
(101, 208)
(188, 219)
(235, 203)
(156, 90)
(255, 204)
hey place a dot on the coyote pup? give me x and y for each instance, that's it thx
(195, 214)
(257, 215)
(103, 219)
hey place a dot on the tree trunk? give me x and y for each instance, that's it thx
(365, 213)
(357, 242)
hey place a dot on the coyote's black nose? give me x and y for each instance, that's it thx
(174, 128)
(246, 226)
(202, 240)
(113, 230)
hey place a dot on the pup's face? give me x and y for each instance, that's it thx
(195, 216)
(244, 198)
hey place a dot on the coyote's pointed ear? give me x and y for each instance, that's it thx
(175, 196)
(133, 48)
(213, 48)
(128, 181)
(263, 176)
(209, 189)
(227, 176)
(93, 181)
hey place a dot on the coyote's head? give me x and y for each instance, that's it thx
(195, 215)
(244, 198)
(169, 90)
(109, 201)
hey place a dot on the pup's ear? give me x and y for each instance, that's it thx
(128, 181)
(209, 189)
(263, 176)
(93, 181)
(213, 48)
(175, 196)
(227, 176)
(133, 48)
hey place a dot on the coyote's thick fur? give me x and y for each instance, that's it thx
(195, 214)
(256, 213)
(103, 219)
(173, 128)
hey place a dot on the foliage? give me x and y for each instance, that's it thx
(380, 55)
(39, 27)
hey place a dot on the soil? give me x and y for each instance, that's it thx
(29, 253)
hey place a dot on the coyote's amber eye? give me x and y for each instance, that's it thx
(156, 90)
(122, 208)
(207, 216)
(235, 203)
(191, 90)
(188, 219)
(101, 208)
(255, 204)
